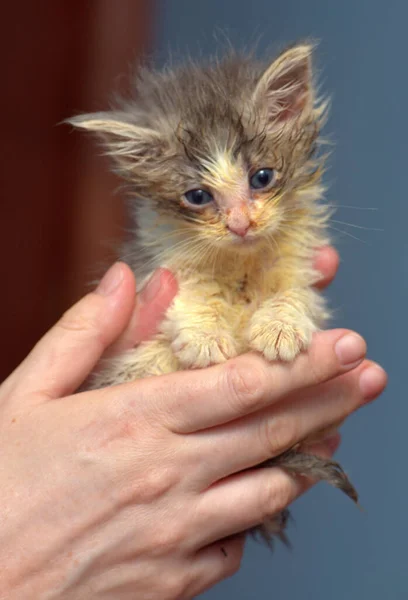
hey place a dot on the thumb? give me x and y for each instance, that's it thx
(65, 356)
(151, 306)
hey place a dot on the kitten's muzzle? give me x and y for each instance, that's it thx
(238, 220)
(241, 231)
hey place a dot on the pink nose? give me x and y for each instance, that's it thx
(239, 230)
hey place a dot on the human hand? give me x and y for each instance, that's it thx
(126, 492)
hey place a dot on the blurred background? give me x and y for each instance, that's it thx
(61, 217)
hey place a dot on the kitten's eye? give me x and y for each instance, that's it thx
(198, 197)
(262, 178)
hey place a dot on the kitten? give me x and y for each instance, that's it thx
(226, 192)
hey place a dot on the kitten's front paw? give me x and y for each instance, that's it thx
(198, 350)
(281, 339)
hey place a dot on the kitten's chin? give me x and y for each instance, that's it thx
(245, 244)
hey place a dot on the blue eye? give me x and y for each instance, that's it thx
(198, 197)
(262, 178)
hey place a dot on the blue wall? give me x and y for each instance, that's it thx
(340, 553)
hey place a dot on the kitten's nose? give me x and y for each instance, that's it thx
(239, 230)
(238, 220)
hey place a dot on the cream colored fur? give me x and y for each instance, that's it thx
(239, 300)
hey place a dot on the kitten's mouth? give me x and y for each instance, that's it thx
(247, 240)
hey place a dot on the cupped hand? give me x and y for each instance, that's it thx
(142, 490)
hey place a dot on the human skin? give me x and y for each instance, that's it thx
(138, 490)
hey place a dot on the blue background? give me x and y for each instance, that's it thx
(339, 552)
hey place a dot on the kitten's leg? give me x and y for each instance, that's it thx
(200, 331)
(283, 325)
(151, 358)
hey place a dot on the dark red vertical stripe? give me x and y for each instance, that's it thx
(59, 216)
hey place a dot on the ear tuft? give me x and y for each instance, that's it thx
(107, 124)
(127, 143)
(286, 86)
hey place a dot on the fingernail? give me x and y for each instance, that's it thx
(372, 381)
(152, 288)
(350, 349)
(110, 281)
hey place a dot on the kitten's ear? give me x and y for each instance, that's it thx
(127, 143)
(286, 87)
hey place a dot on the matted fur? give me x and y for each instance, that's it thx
(243, 262)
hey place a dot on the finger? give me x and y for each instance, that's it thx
(249, 441)
(245, 500)
(65, 356)
(151, 305)
(191, 401)
(327, 263)
(216, 563)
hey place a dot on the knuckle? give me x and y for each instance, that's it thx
(322, 361)
(275, 496)
(159, 468)
(169, 538)
(159, 482)
(77, 321)
(246, 384)
(278, 433)
(145, 487)
(174, 585)
(318, 368)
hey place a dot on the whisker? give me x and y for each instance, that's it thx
(357, 226)
(349, 234)
(195, 248)
(354, 207)
(273, 244)
(179, 250)
(154, 243)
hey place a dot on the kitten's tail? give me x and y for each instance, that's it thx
(320, 469)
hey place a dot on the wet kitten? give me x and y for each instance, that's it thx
(226, 192)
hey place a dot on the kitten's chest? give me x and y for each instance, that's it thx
(245, 293)
(249, 285)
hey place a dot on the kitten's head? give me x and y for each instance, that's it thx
(225, 150)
